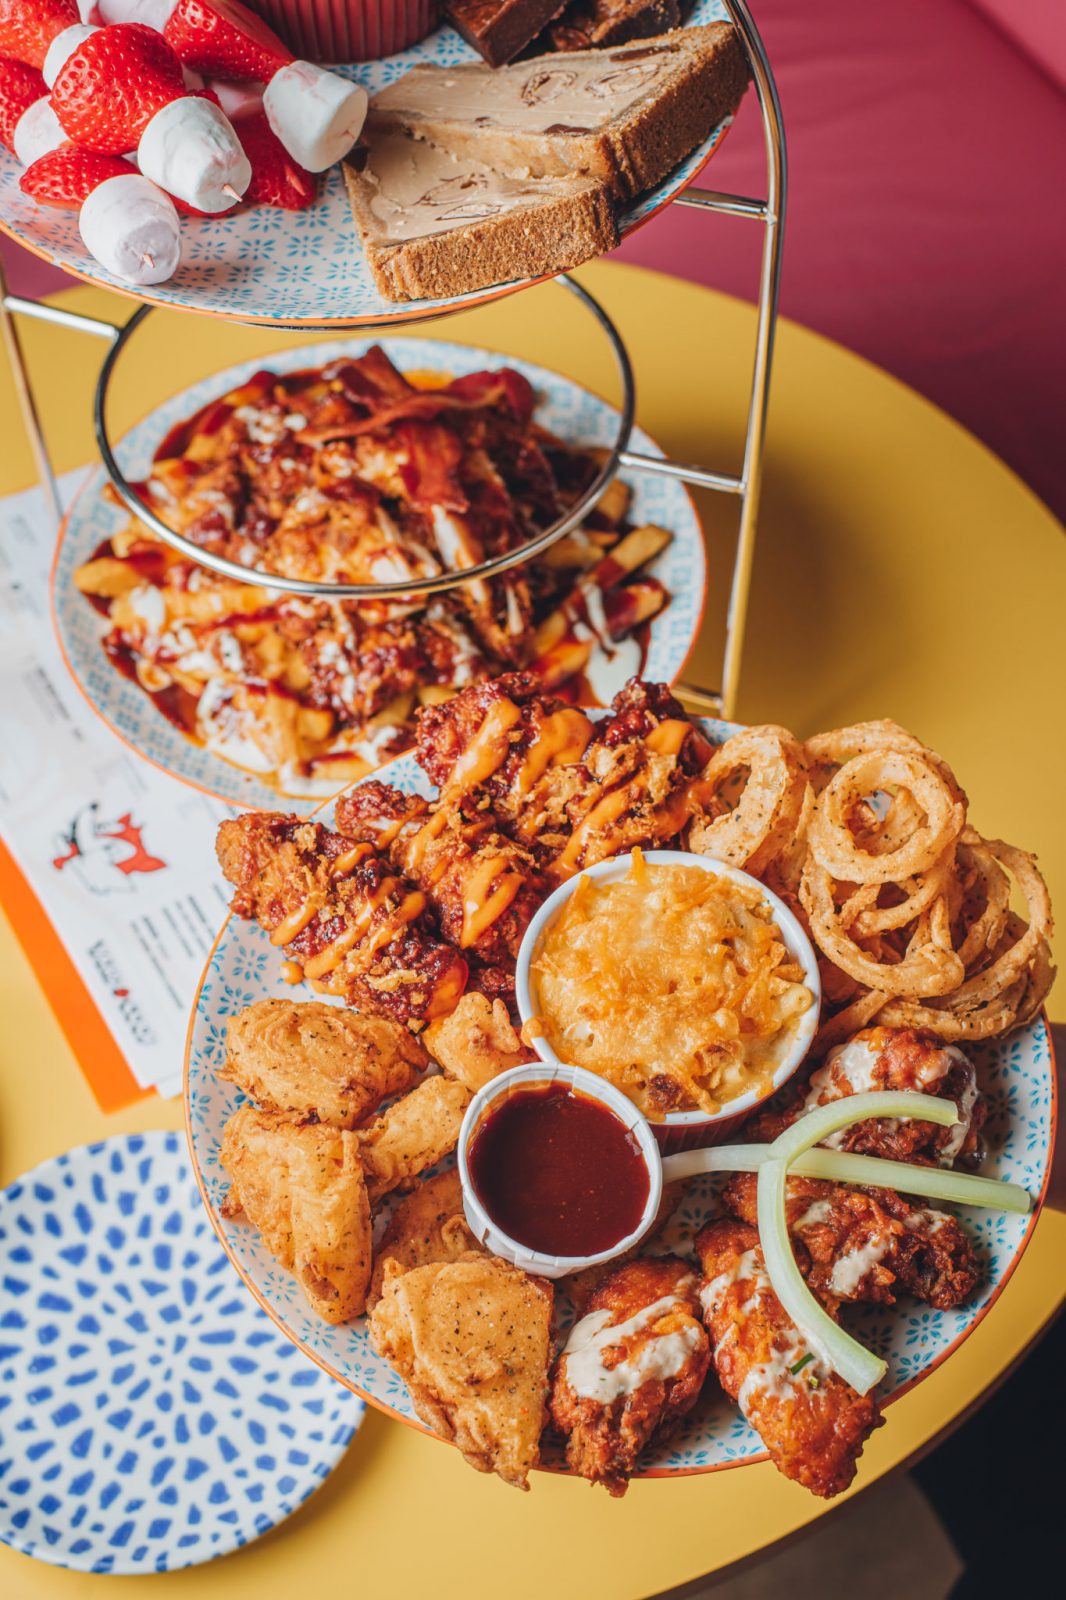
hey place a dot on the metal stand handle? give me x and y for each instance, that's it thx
(770, 212)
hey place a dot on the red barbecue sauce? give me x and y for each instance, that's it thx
(558, 1172)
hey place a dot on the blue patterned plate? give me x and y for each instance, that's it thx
(302, 267)
(571, 412)
(1016, 1073)
(150, 1416)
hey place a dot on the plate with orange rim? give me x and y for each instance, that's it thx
(301, 268)
(1016, 1073)
(573, 413)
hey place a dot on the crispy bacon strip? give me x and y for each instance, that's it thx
(348, 923)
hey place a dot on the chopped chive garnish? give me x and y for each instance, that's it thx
(801, 1363)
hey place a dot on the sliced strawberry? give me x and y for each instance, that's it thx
(277, 180)
(20, 86)
(66, 177)
(112, 86)
(27, 27)
(223, 39)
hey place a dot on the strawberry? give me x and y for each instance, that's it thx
(27, 27)
(67, 177)
(277, 180)
(20, 86)
(112, 86)
(223, 39)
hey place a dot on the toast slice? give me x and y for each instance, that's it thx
(435, 224)
(625, 115)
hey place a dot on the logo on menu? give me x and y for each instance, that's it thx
(104, 961)
(105, 855)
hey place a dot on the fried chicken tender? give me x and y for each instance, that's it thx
(349, 925)
(428, 1225)
(483, 886)
(472, 1340)
(888, 1058)
(643, 764)
(813, 1424)
(477, 1042)
(631, 1369)
(302, 1186)
(868, 1244)
(413, 1134)
(321, 1063)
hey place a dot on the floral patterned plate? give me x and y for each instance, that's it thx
(1016, 1073)
(298, 268)
(568, 410)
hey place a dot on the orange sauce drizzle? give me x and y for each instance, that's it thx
(561, 740)
(430, 830)
(409, 908)
(487, 750)
(668, 737)
(350, 860)
(296, 921)
(488, 892)
(603, 813)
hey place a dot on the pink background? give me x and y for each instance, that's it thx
(926, 223)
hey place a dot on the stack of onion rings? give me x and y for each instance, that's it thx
(863, 831)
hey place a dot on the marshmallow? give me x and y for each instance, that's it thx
(238, 99)
(317, 115)
(88, 11)
(63, 45)
(37, 132)
(132, 229)
(190, 150)
(153, 13)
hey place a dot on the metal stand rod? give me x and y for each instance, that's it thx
(747, 485)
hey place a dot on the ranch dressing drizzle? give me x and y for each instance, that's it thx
(662, 1356)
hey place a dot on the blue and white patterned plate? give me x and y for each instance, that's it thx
(1016, 1074)
(302, 267)
(151, 1417)
(568, 410)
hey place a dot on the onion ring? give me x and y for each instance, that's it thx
(833, 845)
(770, 803)
(927, 966)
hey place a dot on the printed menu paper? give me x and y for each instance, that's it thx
(118, 853)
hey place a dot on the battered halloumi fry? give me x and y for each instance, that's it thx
(472, 1340)
(302, 1186)
(477, 1042)
(321, 1063)
(428, 1225)
(414, 1133)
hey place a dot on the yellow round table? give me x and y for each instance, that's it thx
(901, 570)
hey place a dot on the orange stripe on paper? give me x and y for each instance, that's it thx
(102, 1063)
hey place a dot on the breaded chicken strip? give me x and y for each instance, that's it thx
(301, 1185)
(813, 1424)
(414, 1133)
(321, 1063)
(472, 1340)
(477, 1042)
(428, 1225)
(632, 1367)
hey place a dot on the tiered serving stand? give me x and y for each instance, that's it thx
(744, 485)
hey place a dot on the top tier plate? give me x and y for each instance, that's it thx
(304, 268)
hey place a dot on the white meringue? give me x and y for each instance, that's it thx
(316, 114)
(37, 132)
(131, 227)
(63, 46)
(189, 149)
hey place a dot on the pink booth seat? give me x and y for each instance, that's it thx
(926, 223)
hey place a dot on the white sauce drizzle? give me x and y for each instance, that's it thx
(850, 1269)
(662, 1356)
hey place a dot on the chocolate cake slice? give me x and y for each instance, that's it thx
(625, 115)
(499, 29)
(588, 24)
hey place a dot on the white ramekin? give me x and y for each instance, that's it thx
(588, 1084)
(683, 1130)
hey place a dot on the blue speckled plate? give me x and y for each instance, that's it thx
(1016, 1073)
(151, 1417)
(568, 410)
(302, 267)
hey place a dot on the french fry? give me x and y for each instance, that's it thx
(637, 548)
(635, 603)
